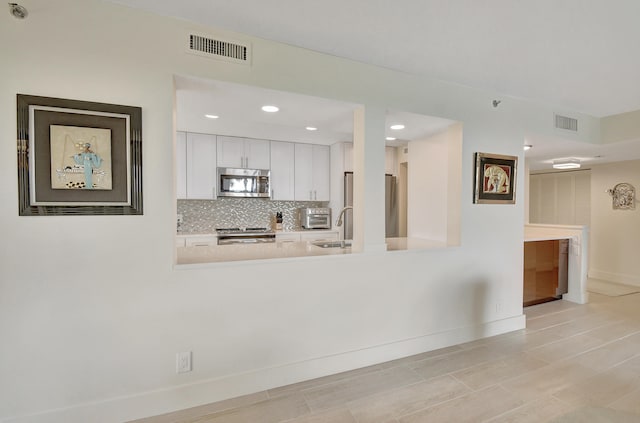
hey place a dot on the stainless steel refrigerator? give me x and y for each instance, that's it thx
(390, 206)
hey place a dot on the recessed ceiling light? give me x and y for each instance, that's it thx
(390, 138)
(311, 128)
(527, 147)
(397, 127)
(566, 164)
(270, 109)
(212, 116)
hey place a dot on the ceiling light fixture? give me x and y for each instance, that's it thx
(270, 109)
(17, 11)
(311, 128)
(527, 147)
(566, 164)
(390, 138)
(397, 127)
(212, 116)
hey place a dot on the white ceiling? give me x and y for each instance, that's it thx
(238, 108)
(573, 54)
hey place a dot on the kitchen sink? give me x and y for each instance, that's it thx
(332, 244)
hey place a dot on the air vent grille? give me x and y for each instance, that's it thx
(216, 48)
(564, 122)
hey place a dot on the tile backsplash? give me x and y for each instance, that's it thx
(204, 216)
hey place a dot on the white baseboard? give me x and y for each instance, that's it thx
(622, 278)
(176, 398)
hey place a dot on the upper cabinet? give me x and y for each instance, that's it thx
(299, 172)
(243, 153)
(196, 166)
(181, 165)
(282, 171)
(312, 168)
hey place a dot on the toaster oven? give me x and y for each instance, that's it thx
(315, 218)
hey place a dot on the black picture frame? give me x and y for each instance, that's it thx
(495, 178)
(37, 195)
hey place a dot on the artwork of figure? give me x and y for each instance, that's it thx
(89, 160)
(80, 158)
(496, 180)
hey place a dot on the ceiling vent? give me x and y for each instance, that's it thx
(217, 48)
(564, 122)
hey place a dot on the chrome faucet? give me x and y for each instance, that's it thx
(342, 212)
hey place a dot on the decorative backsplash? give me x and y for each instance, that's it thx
(204, 216)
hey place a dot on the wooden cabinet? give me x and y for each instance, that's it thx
(312, 167)
(195, 166)
(246, 153)
(282, 171)
(545, 271)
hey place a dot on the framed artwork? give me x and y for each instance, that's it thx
(495, 179)
(78, 157)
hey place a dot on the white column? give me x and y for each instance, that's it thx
(368, 179)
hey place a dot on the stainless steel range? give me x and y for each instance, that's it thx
(228, 236)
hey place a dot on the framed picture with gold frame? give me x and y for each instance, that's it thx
(78, 157)
(495, 179)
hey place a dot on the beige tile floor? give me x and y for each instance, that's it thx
(573, 363)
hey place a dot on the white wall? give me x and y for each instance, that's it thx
(561, 198)
(92, 312)
(434, 186)
(615, 234)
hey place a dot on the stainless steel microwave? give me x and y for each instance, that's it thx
(236, 182)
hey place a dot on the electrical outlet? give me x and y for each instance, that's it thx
(183, 362)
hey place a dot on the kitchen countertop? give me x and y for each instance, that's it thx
(280, 250)
(264, 251)
(533, 232)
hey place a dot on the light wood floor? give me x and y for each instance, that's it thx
(573, 363)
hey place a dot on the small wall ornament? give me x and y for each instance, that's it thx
(624, 196)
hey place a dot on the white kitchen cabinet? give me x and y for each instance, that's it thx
(282, 171)
(245, 153)
(201, 166)
(195, 166)
(201, 241)
(312, 167)
(319, 236)
(287, 237)
(181, 165)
